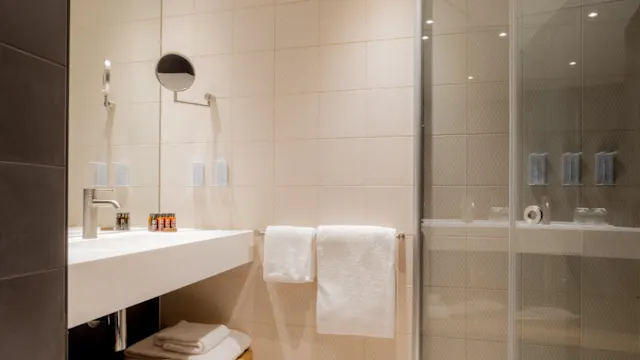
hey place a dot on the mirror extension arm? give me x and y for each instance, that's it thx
(209, 98)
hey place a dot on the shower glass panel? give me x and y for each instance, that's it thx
(530, 104)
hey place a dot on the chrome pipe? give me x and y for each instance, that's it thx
(120, 324)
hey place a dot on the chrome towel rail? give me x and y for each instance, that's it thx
(399, 236)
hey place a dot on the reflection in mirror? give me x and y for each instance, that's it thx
(175, 72)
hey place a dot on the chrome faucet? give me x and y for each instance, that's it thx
(90, 212)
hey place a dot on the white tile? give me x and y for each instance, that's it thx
(390, 19)
(341, 162)
(199, 34)
(177, 7)
(297, 70)
(390, 63)
(198, 207)
(134, 41)
(391, 207)
(252, 207)
(449, 109)
(134, 83)
(389, 161)
(254, 29)
(252, 164)
(184, 123)
(343, 67)
(342, 21)
(296, 205)
(297, 24)
(342, 205)
(390, 112)
(296, 116)
(343, 114)
(143, 163)
(138, 201)
(296, 162)
(450, 16)
(204, 6)
(449, 59)
(252, 118)
(251, 3)
(135, 124)
(253, 73)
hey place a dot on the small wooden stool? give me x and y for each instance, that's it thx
(248, 355)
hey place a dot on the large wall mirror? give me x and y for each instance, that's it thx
(114, 109)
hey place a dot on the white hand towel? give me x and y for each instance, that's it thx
(288, 254)
(356, 281)
(191, 338)
(229, 349)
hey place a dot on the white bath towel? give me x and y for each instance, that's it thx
(191, 338)
(229, 349)
(356, 281)
(288, 254)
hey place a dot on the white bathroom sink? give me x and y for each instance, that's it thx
(119, 270)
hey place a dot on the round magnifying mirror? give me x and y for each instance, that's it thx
(175, 72)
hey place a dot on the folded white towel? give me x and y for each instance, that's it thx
(229, 349)
(191, 338)
(288, 254)
(356, 281)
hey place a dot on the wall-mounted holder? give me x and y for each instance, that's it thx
(106, 84)
(571, 169)
(538, 169)
(176, 73)
(604, 168)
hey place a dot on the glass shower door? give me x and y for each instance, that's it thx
(576, 249)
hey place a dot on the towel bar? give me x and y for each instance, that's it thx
(399, 236)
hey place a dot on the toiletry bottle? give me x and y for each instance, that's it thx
(173, 221)
(160, 222)
(126, 221)
(149, 222)
(154, 223)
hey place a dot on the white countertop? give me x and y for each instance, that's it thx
(119, 270)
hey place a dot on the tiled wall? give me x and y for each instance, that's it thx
(127, 33)
(587, 107)
(33, 70)
(314, 116)
(467, 112)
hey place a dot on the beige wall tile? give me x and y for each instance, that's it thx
(390, 19)
(296, 205)
(558, 325)
(296, 116)
(254, 29)
(296, 162)
(450, 17)
(252, 164)
(445, 266)
(342, 205)
(343, 114)
(487, 269)
(252, 207)
(341, 162)
(488, 56)
(389, 161)
(343, 67)
(610, 323)
(297, 70)
(444, 348)
(488, 108)
(339, 347)
(485, 350)
(342, 21)
(297, 24)
(444, 202)
(252, 118)
(182, 123)
(390, 112)
(253, 73)
(286, 342)
(404, 308)
(395, 54)
(285, 304)
(239, 4)
(449, 59)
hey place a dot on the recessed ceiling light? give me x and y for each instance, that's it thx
(470, 78)
(429, 21)
(573, 63)
(502, 34)
(593, 14)
(425, 37)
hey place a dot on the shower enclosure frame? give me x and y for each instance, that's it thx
(422, 97)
